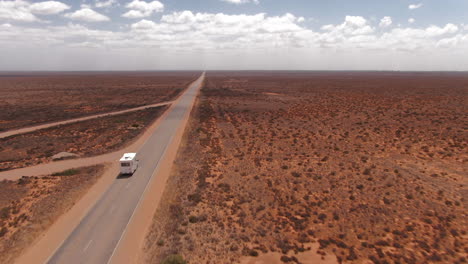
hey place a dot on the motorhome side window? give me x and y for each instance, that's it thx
(125, 164)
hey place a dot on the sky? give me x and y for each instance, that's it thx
(399, 35)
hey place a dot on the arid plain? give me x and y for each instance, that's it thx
(274, 167)
(304, 167)
(31, 205)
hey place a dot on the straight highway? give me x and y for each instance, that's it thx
(99, 232)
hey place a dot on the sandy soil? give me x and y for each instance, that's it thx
(371, 166)
(45, 246)
(85, 139)
(306, 257)
(65, 122)
(31, 99)
(30, 205)
(57, 166)
(131, 248)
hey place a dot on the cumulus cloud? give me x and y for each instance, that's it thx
(437, 31)
(87, 15)
(17, 10)
(411, 20)
(24, 11)
(48, 8)
(415, 6)
(221, 31)
(452, 42)
(238, 2)
(104, 4)
(353, 25)
(139, 9)
(144, 25)
(231, 35)
(385, 21)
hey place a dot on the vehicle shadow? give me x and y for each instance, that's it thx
(123, 176)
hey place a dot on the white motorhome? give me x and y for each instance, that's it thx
(128, 163)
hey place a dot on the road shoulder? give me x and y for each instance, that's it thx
(129, 249)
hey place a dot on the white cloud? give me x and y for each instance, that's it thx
(221, 31)
(385, 21)
(141, 9)
(415, 6)
(104, 3)
(238, 2)
(87, 15)
(17, 10)
(229, 37)
(23, 11)
(353, 25)
(143, 25)
(437, 31)
(411, 20)
(48, 8)
(452, 42)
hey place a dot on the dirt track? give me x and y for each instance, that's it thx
(46, 245)
(65, 122)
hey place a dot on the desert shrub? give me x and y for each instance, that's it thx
(225, 187)
(193, 219)
(386, 200)
(322, 217)
(68, 172)
(296, 174)
(5, 212)
(196, 197)
(3, 231)
(24, 180)
(253, 253)
(174, 259)
(160, 242)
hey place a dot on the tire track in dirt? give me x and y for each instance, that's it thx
(75, 120)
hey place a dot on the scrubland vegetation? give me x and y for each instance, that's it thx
(30, 205)
(87, 138)
(369, 167)
(36, 98)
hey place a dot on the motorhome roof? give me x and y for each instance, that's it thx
(128, 156)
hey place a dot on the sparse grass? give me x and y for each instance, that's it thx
(26, 205)
(68, 172)
(346, 162)
(31, 100)
(174, 259)
(88, 138)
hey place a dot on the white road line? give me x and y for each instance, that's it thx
(87, 245)
(128, 185)
(150, 181)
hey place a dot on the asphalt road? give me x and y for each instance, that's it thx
(97, 235)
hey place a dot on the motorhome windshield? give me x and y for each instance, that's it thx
(125, 164)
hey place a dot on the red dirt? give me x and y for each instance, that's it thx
(86, 138)
(31, 99)
(371, 166)
(30, 205)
